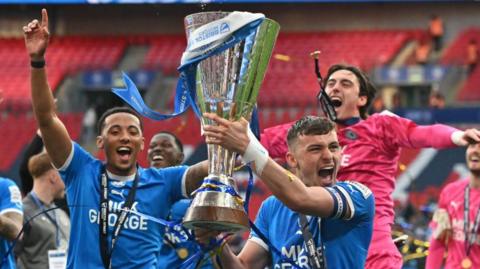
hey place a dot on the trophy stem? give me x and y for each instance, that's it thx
(221, 161)
(227, 84)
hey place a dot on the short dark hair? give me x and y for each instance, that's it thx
(39, 164)
(115, 110)
(177, 141)
(309, 125)
(366, 86)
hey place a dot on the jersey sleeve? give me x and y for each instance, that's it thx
(179, 209)
(354, 196)
(274, 139)
(260, 231)
(76, 162)
(10, 197)
(440, 223)
(175, 176)
(402, 132)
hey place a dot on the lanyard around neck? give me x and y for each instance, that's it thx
(316, 258)
(53, 219)
(470, 236)
(105, 251)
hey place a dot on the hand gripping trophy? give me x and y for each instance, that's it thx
(227, 83)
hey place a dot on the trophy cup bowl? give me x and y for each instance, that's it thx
(227, 84)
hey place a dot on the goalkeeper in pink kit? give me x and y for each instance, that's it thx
(371, 148)
(456, 221)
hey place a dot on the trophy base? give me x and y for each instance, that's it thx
(222, 219)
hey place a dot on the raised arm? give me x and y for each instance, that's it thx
(55, 135)
(447, 136)
(283, 184)
(403, 132)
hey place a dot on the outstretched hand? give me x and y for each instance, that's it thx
(36, 37)
(231, 135)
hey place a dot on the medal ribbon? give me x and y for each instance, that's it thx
(469, 236)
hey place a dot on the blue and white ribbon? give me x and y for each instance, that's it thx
(206, 41)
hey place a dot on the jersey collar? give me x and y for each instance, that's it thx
(349, 121)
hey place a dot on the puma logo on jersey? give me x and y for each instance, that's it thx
(119, 193)
(15, 195)
(454, 204)
(364, 190)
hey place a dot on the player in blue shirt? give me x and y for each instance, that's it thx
(334, 218)
(11, 219)
(166, 150)
(107, 200)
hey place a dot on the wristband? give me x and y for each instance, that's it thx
(37, 64)
(255, 153)
(457, 138)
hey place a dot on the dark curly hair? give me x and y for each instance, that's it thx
(366, 86)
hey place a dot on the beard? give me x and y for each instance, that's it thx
(475, 172)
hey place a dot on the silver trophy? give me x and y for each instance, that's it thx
(227, 84)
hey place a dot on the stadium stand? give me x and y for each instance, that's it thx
(364, 48)
(456, 54)
(72, 54)
(165, 53)
(18, 130)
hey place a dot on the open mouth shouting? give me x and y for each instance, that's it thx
(125, 153)
(157, 157)
(336, 101)
(327, 175)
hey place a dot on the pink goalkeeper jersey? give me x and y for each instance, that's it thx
(452, 200)
(371, 149)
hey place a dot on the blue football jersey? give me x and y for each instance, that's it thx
(177, 247)
(138, 244)
(345, 237)
(10, 201)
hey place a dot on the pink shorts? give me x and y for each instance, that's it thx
(383, 254)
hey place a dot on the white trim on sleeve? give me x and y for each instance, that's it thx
(457, 137)
(184, 187)
(67, 161)
(349, 202)
(259, 242)
(8, 210)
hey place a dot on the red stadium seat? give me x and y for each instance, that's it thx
(17, 130)
(72, 54)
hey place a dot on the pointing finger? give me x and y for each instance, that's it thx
(44, 18)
